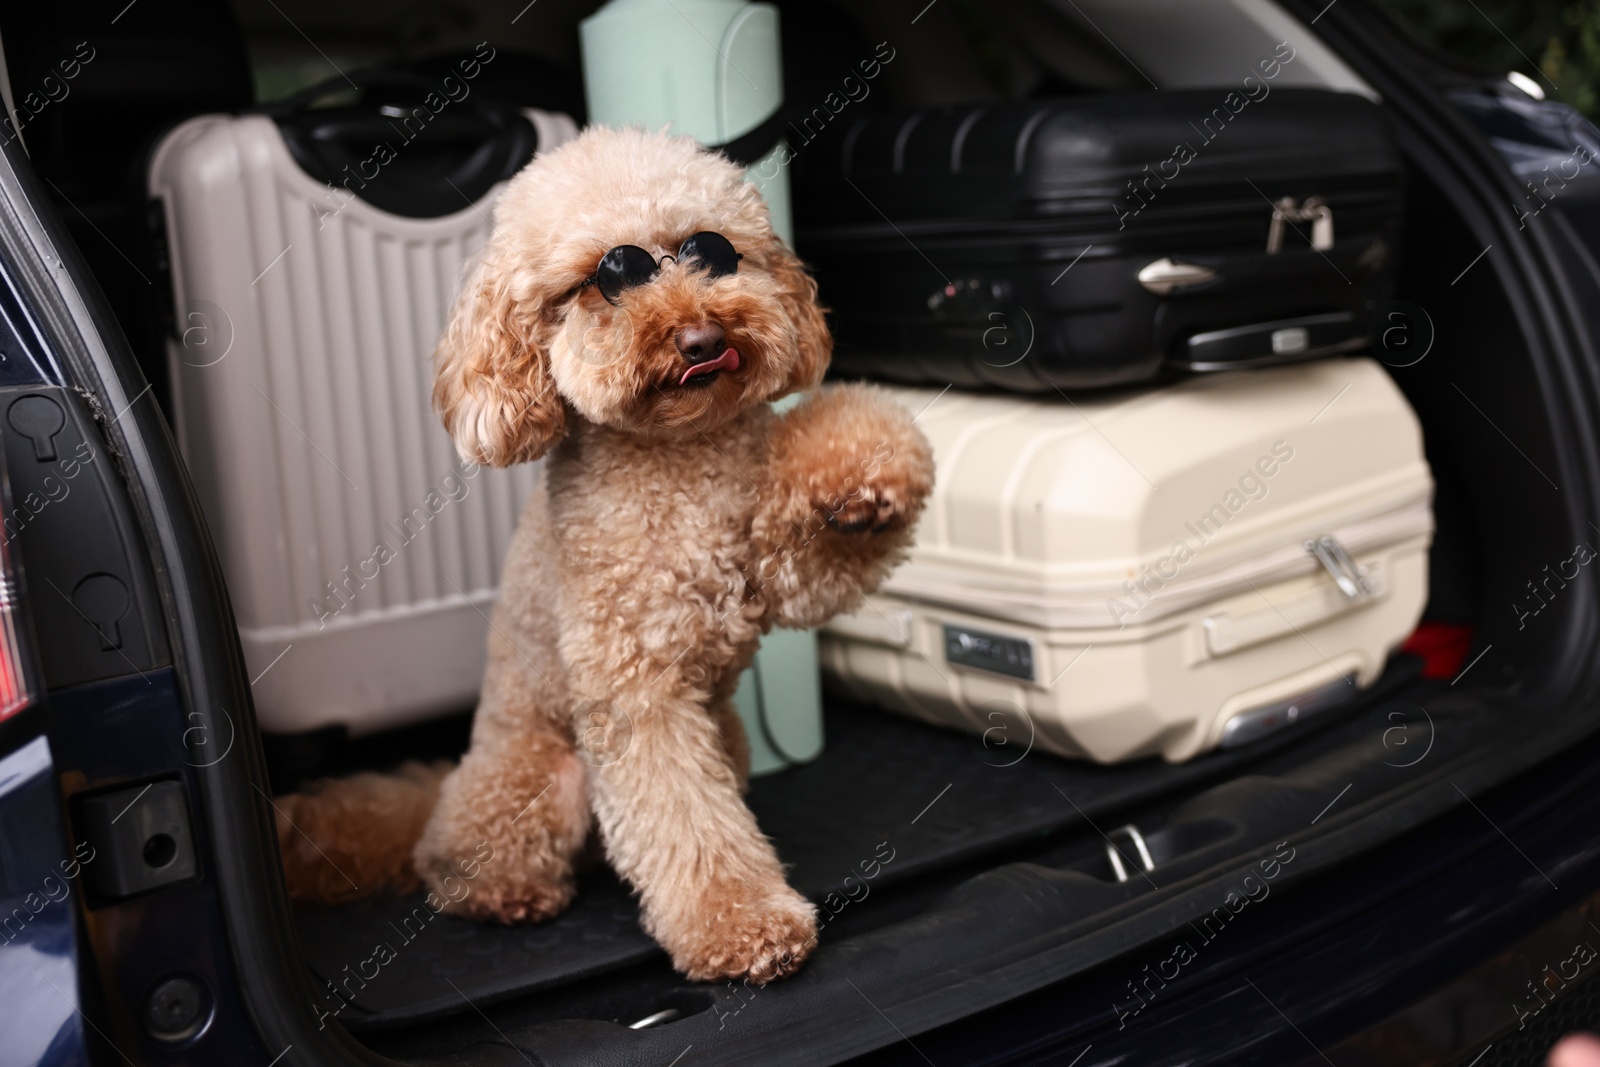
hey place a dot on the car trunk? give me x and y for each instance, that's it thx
(958, 872)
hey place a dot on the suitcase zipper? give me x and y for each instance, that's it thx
(1237, 221)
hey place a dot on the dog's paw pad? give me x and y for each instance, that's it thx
(855, 515)
(890, 511)
(758, 944)
(872, 510)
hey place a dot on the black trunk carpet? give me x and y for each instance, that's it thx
(888, 800)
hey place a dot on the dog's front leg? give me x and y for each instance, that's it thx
(848, 473)
(668, 803)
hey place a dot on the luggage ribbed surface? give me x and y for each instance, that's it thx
(335, 328)
(334, 495)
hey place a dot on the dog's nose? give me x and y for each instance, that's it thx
(701, 342)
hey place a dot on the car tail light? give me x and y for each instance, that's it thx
(13, 682)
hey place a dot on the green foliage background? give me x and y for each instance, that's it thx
(1557, 44)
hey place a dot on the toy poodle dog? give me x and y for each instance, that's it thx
(631, 320)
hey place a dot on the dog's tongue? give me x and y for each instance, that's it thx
(729, 360)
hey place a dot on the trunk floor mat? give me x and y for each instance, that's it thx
(884, 787)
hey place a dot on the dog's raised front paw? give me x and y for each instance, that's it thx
(873, 509)
(859, 461)
(756, 941)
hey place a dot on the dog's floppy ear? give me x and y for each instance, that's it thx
(797, 292)
(492, 383)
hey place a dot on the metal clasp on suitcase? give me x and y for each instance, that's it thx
(1315, 211)
(1350, 579)
(1114, 854)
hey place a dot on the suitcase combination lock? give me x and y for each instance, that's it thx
(1315, 211)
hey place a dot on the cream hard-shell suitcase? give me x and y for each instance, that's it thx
(1154, 573)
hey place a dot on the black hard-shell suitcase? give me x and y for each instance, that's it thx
(1100, 240)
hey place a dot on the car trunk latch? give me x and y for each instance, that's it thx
(1140, 848)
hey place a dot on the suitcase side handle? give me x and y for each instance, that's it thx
(1166, 274)
(1229, 632)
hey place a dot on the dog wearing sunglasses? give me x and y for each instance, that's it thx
(631, 321)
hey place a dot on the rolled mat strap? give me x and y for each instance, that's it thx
(756, 142)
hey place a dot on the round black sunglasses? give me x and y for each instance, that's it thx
(626, 266)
